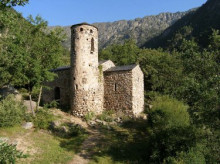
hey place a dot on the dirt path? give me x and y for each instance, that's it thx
(85, 154)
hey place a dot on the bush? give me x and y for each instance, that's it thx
(43, 119)
(89, 116)
(52, 104)
(11, 112)
(168, 113)
(106, 116)
(169, 130)
(9, 153)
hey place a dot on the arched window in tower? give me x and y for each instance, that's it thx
(92, 45)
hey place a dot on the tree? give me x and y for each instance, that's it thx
(121, 54)
(12, 35)
(162, 71)
(43, 52)
(9, 3)
(28, 51)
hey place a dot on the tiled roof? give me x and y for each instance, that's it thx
(121, 68)
(112, 69)
(102, 61)
(61, 68)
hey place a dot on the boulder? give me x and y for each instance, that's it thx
(4, 139)
(28, 106)
(64, 129)
(101, 122)
(28, 125)
(55, 124)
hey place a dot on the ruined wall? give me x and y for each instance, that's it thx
(118, 91)
(86, 86)
(62, 81)
(137, 90)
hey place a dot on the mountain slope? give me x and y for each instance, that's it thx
(203, 20)
(140, 29)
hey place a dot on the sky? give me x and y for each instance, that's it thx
(69, 12)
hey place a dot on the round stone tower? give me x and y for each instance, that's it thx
(86, 76)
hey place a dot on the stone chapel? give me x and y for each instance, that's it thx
(89, 85)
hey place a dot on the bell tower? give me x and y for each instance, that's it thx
(86, 90)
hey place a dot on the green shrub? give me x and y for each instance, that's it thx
(11, 112)
(89, 116)
(75, 130)
(43, 119)
(52, 104)
(168, 113)
(169, 130)
(106, 115)
(9, 153)
(193, 155)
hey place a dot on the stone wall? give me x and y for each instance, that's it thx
(124, 90)
(118, 91)
(137, 90)
(62, 81)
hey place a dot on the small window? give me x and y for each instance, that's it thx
(91, 31)
(57, 93)
(92, 45)
(81, 29)
(115, 87)
(76, 87)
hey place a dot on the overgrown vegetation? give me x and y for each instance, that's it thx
(9, 153)
(12, 112)
(188, 74)
(43, 119)
(181, 84)
(28, 50)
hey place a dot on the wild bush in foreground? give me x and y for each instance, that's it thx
(43, 119)
(170, 132)
(11, 112)
(9, 153)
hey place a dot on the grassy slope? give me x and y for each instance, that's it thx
(41, 146)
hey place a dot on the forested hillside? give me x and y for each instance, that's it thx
(185, 71)
(200, 24)
(181, 120)
(140, 29)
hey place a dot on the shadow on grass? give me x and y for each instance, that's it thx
(73, 144)
(127, 143)
(134, 142)
(70, 135)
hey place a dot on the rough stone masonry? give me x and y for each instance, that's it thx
(89, 85)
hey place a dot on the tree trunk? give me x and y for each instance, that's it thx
(39, 98)
(32, 110)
